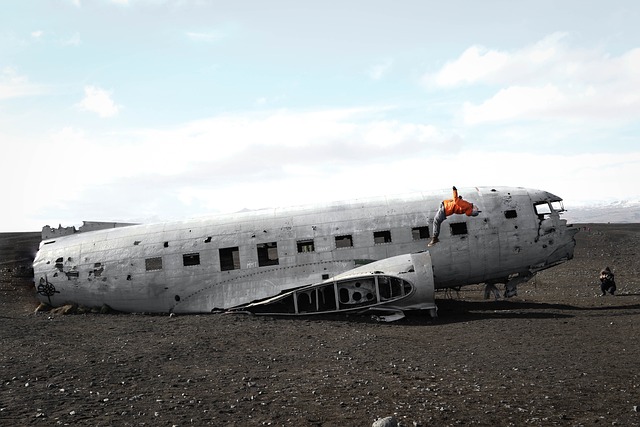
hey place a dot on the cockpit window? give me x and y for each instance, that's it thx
(557, 206)
(542, 208)
(545, 208)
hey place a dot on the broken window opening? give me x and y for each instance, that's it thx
(191, 259)
(381, 237)
(510, 214)
(166, 244)
(207, 240)
(306, 246)
(420, 233)
(542, 209)
(136, 243)
(345, 241)
(152, 264)
(97, 269)
(458, 228)
(229, 258)
(267, 254)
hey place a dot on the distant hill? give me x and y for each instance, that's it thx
(615, 212)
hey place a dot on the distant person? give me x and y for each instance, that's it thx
(607, 282)
(449, 207)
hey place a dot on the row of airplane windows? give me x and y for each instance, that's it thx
(268, 252)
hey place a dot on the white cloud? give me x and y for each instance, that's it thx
(516, 101)
(13, 85)
(282, 158)
(98, 101)
(378, 71)
(549, 57)
(547, 80)
(475, 64)
(205, 37)
(73, 40)
(228, 163)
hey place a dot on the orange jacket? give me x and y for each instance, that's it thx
(457, 205)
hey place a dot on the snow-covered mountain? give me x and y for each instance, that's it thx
(616, 212)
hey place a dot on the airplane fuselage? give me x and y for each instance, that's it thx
(225, 261)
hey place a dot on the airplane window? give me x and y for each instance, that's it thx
(458, 228)
(344, 241)
(510, 214)
(229, 258)
(191, 259)
(97, 269)
(267, 254)
(542, 208)
(557, 206)
(306, 246)
(382, 237)
(420, 233)
(153, 263)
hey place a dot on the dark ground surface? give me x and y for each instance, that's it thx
(558, 354)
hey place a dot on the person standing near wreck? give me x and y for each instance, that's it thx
(449, 207)
(607, 281)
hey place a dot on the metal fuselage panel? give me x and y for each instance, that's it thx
(229, 260)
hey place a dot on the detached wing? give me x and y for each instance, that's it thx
(403, 282)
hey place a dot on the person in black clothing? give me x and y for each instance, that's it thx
(607, 282)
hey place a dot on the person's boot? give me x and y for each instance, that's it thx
(433, 241)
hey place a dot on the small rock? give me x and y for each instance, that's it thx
(385, 422)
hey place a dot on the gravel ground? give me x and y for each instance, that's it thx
(557, 354)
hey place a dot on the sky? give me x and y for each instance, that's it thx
(154, 110)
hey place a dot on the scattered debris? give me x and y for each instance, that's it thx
(73, 309)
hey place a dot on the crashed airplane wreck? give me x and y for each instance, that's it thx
(356, 256)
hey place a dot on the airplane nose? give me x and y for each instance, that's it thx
(572, 231)
(570, 243)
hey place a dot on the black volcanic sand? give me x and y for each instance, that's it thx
(558, 354)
